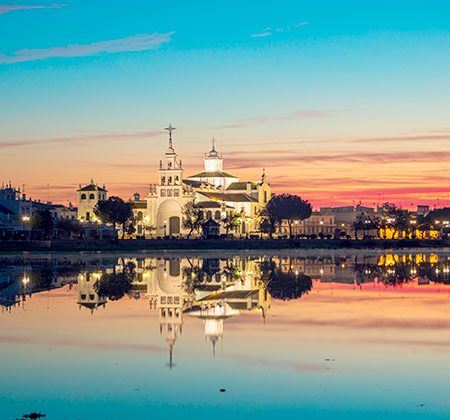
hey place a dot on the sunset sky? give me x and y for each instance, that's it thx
(340, 101)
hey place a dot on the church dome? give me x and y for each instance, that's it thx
(213, 153)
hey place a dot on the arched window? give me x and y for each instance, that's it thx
(140, 216)
(209, 214)
(83, 196)
(217, 215)
(91, 196)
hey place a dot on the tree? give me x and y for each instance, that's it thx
(438, 219)
(230, 222)
(114, 211)
(67, 227)
(398, 219)
(42, 220)
(192, 217)
(365, 223)
(288, 207)
(150, 229)
(267, 223)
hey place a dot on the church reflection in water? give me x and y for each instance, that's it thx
(208, 289)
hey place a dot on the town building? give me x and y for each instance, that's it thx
(17, 210)
(87, 198)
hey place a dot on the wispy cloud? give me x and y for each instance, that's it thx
(5, 8)
(142, 42)
(366, 158)
(270, 31)
(263, 33)
(297, 114)
(411, 138)
(105, 137)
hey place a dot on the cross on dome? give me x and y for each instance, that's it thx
(170, 129)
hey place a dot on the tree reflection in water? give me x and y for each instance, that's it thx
(115, 285)
(284, 285)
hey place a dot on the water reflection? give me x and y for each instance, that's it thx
(209, 289)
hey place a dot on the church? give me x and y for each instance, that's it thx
(218, 194)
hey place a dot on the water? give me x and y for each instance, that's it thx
(312, 335)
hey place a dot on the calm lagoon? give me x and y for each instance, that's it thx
(313, 335)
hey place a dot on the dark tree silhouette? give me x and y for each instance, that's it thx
(116, 285)
(42, 220)
(192, 217)
(67, 227)
(284, 285)
(114, 211)
(288, 207)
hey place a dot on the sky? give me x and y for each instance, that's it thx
(340, 101)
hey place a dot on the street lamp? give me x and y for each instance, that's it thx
(25, 219)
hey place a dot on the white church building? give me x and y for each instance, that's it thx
(216, 192)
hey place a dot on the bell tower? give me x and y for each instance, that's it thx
(170, 171)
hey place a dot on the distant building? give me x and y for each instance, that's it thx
(316, 224)
(17, 210)
(87, 198)
(345, 216)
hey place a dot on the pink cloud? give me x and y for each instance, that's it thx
(80, 139)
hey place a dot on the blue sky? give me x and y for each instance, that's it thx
(76, 74)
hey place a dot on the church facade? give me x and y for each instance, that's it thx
(217, 193)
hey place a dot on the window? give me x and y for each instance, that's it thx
(170, 180)
(177, 179)
(176, 193)
(209, 214)
(169, 193)
(265, 196)
(174, 267)
(91, 196)
(139, 215)
(163, 193)
(217, 215)
(163, 180)
(83, 196)
(88, 216)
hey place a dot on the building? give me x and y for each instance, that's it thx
(61, 212)
(213, 173)
(87, 198)
(345, 216)
(17, 210)
(218, 194)
(317, 224)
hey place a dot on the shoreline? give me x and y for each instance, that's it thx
(195, 245)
